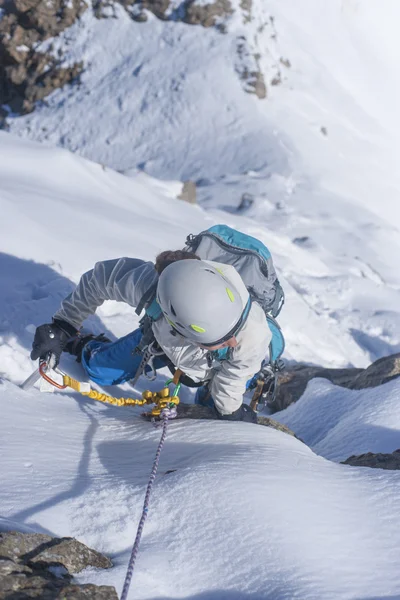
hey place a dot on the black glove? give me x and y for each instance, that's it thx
(244, 413)
(51, 339)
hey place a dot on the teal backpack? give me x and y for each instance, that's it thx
(253, 261)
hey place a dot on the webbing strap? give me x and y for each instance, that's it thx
(147, 298)
(279, 300)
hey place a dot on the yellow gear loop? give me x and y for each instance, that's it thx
(161, 399)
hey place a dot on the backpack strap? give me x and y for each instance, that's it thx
(279, 300)
(277, 343)
(152, 314)
(147, 298)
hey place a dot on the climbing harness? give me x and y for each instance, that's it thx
(149, 355)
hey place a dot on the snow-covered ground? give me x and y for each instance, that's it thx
(319, 155)
(247, 512)
(238, 511)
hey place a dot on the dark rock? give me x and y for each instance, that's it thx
(301, 241)
(27, 76)
(87, 591)
(277, 80)
(158, 7)
(246, 202)
(206, 15)
(35, 566)
(285, 62)
(381, 371)
(196, 411)
(47, 17)
(31, 548)
(246, 6)
(375, 461)
(256, 83)
(293, 381)
(248, 69)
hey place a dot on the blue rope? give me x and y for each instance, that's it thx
(166, 414)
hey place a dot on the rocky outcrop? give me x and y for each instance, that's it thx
(293, 381)
(197, 411)
(206, 15)
(189, 11)
(376, 461)
(28, 75)
(248, 68)
(34, 565)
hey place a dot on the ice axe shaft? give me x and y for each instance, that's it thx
(37, 373)
(32, 379)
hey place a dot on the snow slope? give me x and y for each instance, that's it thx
(319, 156)
(238, 511)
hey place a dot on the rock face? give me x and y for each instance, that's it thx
(206, 15)
(27, 75)
(196, 411)
(293, 381)
(33, 565)
(376, 461)
(189, 11)
(248, 69)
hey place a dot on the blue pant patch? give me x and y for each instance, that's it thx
(111, 363)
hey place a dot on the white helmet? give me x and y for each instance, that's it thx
(199, 302)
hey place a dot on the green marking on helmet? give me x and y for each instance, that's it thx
(170, 322)
(230, 294)
(198, 329)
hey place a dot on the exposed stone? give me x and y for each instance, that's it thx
(188, 193)
(256, 84)
(34, 566)
(277, 80)
(248, 69)
(31, 548)
(197, 411)
(381, 371)
(293, 381)
(246, 6)
(105, 9)
(285, 62)
(246, 202)
(206, 15)
(157, 7)
(26, 75)
(376, 461)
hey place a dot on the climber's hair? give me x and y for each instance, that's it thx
(170, 256)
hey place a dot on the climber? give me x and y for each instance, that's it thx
(207, 326)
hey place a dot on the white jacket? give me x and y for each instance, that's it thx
(127, 279)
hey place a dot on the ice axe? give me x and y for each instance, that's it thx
(44, 365)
